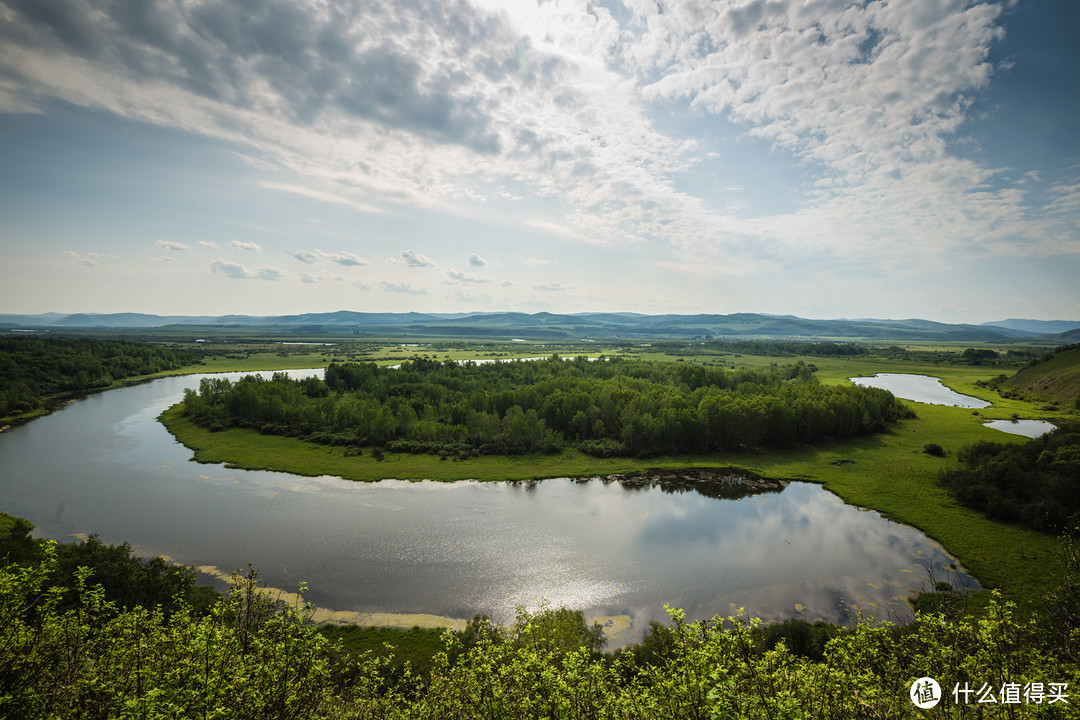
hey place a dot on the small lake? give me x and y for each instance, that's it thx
(617, 551)
(1027, 428)
(920, 388)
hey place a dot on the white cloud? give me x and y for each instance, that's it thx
(270, 273)
(536, 262)
(401, 288)
(360, 285)
(232, 270)
(208, 243)
(415, 259)
(306, 256)
(168, 245)
(477, 261)
(244, 245)
(239, 272)
(459, 276)
(344, 258)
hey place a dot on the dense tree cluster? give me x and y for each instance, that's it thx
(612, 407)
(33, 369)
(126, 579)
(1036, 483)
(796, 348)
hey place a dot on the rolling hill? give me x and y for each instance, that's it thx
(543, 325)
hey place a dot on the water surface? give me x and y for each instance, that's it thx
(1027, 428)
(105, 465)
(920, 388)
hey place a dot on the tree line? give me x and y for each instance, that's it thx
(607, 407)
(34, 369)
(126, 579)
(794, 348)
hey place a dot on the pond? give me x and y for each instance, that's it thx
(920, 388)
(1027, 428)
(616, 551)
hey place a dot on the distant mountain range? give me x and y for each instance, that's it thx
(506, 325)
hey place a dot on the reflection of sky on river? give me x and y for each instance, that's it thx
(920, 388)
(105, 465)
(1026, 428)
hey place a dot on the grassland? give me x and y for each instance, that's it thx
(1055, 380)
(888, 472)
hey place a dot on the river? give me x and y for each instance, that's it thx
(104, 465)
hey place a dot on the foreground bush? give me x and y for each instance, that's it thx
(253, 658)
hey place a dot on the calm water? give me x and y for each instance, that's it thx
(1027, 428)
(920, 388)
(105, 465)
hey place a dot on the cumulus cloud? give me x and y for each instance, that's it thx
(269, 273)
(168, 245)
(239, 272)
(399, 287)
(208, 243)
(344, 258)
(459, 276)
(232, 270)
(476, 261)
(245, 245)
(415, 259)
(306, 256)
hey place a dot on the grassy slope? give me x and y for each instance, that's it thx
(1056, 379)
(888, 472)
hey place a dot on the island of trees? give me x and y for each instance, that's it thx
(604, 408)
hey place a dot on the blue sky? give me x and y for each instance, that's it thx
(823, 158)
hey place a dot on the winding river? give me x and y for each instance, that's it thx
(618, 552)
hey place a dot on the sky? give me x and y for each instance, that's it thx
(820, 158)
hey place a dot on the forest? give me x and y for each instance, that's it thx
(604, 408)
(34, 369)
(1036, 483)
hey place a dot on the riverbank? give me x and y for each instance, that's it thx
(888, 472)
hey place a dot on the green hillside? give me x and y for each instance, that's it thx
(1055, 378)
